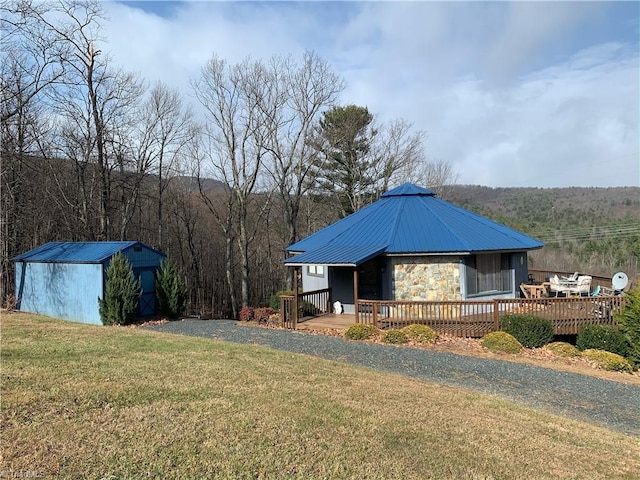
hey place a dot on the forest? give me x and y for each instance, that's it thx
(264, 156)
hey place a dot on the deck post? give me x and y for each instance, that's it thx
(496, 315)
(355, 292)
(295, 299)
(374, 314)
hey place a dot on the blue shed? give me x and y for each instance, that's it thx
(65, 279)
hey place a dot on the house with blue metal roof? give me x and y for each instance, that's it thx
(65, 279)
(412, 245)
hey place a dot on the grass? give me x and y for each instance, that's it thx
(80, 401)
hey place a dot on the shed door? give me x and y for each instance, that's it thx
(147, 305)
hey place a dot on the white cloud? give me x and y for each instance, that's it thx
(512, 94)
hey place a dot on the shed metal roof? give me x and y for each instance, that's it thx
(76, 252)
(410, 220)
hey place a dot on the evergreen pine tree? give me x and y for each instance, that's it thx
(171, 290)
(629, 323)
(122, 293)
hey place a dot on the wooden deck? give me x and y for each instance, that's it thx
(330, 321)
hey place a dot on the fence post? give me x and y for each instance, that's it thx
(496, 315)
(294, 323)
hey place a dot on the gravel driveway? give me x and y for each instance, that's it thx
(603, 402)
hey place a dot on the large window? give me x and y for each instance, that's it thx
(487, 274)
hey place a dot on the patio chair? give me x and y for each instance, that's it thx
(571, 278)
(556, 287)
(582, 287)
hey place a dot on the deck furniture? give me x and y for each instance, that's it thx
(570, 278)
(557, 286)
(534, 291)
(582, 286)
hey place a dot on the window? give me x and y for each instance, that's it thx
(316, 270)
(488, 274)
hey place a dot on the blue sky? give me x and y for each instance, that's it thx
(542, 94)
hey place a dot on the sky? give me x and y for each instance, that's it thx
(511, 94)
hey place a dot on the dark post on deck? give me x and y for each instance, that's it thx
(295, 298)
(355, 292)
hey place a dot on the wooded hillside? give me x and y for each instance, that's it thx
(593, 230)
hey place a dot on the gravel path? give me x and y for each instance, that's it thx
(603, 402)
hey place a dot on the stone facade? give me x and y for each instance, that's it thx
(426, 278)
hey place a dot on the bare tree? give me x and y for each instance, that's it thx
(398, 153)
(32, 49)
(437, 175)
(159, 143)
(30, 66)
(304, 89)
(237, 98)
(97, 101)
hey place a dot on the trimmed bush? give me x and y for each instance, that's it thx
(122, 293)
(608, 361)
(529, 330)
(629, 323)
(394, 336)
(420, 333)
(360, 331)
(246, 314)
(563, 349)
(501, 342)
(603, 337)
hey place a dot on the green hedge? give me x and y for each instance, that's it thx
(603, 337)
(529, 330)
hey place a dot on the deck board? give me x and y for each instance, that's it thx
(328, 322)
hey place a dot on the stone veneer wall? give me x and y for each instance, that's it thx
(426, 278)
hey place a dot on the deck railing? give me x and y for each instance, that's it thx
(464, 318)
(309, 304)
(477, 318)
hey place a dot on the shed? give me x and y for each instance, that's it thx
(411, 245)
(65, 279)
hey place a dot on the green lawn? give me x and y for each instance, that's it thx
(80, 401)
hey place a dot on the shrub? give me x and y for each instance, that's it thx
(170, 290)
(360, 331)
(246, 314)
(563, 349)
(629, 323)
(394, 336)
(608, 361)
(122, 293)
(501, 342)
(602, 337)
(307, 309)
(274, 301)
(261, 315)
(420, 333)
(529, 330)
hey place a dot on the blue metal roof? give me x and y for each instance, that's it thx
(411, 219)
(76, 252)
